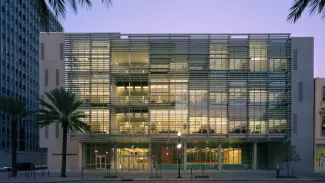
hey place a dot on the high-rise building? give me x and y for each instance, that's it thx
(234, 99)
(19, 68)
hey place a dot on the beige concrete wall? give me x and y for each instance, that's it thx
(52, 62)
(319, 139)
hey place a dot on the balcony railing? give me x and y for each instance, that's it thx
(170, 132)
(129, 100)
(129, 69)
(94, 98)
(126, 132)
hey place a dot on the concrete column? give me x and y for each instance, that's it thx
(80, 156)
(150, 158)
(254, 156)
(220, 157)
(115, 156)
(185, 157)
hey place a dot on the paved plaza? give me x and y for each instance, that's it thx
(167, 176)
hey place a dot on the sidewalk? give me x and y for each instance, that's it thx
(97, 175)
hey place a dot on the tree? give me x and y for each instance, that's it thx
(299, 6)
(63, 109)
(17, 110)
(291, 155)
(59, 7)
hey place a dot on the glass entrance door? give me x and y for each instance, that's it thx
(125, 162)
(100, 161)
(142, 162)
(133, 162)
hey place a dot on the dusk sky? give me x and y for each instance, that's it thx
(199, 16)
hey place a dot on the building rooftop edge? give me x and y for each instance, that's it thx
(232, 35)
(171, 33)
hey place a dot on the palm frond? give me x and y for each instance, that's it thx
(47, 117)
(86, 3)
(44, 124)
(59, 7)
(107, 2)
(48, 106)
(75, 106)
(27, 113)
(81, 116)
(299, 6)
(74, 5)
(63, 108)
(13, 107)
(85, 127)
(43, 13)
(316, 6)
(53, 95)
(297, 9)
(77, 115)
(78, 125)
(61, 100)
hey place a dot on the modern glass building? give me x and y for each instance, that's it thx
(19, 67)
(229, 95)
(319, 161)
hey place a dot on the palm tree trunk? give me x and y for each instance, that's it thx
(64, 152)
(14, 148)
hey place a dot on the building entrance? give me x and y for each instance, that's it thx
(133, 162)
(100, 161)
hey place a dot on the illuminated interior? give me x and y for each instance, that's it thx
(132, 123)
(210, 155)
(134, 94)
(98, 119)
(132, 158)
(164, 121)
(136, 156)
(130, 62)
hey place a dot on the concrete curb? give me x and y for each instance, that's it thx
(168, 180)
(225, 180)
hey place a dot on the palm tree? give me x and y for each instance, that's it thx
(299, 6)
(59, 8)
(16, 110)
(62, 108)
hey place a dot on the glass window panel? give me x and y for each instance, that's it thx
(258, 56)
(237, 127)
(277, 126)
(238, 64)
(278, 64)
(257, 127)
(257, 96)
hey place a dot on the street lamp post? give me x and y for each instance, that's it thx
(179, 146)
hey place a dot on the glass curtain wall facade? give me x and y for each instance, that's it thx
(19, 68)
(140, 90)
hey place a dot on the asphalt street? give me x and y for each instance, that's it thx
(193, 181)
